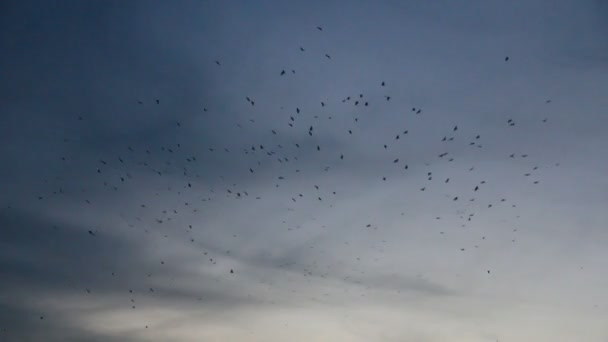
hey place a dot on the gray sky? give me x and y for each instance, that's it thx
(209, 217)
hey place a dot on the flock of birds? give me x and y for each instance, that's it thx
(113, 173)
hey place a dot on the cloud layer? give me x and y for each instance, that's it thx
(272, 171)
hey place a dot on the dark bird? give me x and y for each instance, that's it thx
(217, 62)
(282, 72)
(382, 83)
(301, 49)
(328, 56)
(157, 101)
(396, 161)
(319, 28)
(455, 128)
(507, 59)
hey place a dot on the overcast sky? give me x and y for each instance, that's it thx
(303, 170)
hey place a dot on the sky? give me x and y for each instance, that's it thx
(303, 170)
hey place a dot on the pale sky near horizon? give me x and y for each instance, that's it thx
(163, 180)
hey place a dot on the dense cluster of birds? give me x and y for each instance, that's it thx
(114, 171)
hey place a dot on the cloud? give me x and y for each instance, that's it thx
(146, 197)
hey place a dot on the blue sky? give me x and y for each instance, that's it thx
(161, 180)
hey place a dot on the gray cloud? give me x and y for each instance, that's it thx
(223, 220)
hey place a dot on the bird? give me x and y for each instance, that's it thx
(506, 58)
